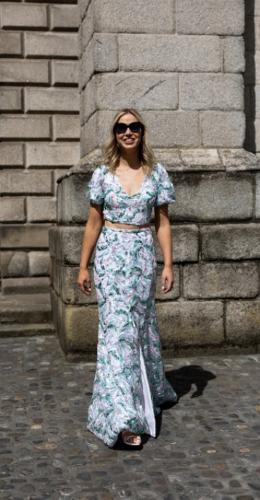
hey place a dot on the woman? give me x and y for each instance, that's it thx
(130, 383)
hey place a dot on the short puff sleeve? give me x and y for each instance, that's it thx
(165, 187)
(95, 186)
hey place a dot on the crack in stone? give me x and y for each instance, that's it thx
(120, 81)
(152, 87)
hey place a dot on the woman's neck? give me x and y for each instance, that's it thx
(130, 160)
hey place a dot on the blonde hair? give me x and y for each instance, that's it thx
(111, 152)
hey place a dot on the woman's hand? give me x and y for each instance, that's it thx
(84, 281)
(167, 279)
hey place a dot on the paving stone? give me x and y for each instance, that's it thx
(204, 448)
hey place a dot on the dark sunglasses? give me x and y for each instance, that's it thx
(121, 128)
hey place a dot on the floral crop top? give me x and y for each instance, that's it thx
(105, 189)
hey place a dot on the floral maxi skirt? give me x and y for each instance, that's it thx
(129, 383)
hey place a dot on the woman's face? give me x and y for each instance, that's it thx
(128, 140)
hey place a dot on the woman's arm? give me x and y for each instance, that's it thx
(164, 235)
(91, 234)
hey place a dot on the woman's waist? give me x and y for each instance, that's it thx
(121, 225)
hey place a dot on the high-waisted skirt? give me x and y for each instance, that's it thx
(129, 384)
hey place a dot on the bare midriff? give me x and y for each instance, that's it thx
(120, 225)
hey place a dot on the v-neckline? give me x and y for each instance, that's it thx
(123, 189)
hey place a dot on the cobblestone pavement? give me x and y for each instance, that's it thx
(208, 444)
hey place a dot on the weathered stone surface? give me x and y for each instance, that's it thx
(39, 263)
(25, 309)
(51, 44)
(223, 128)
(220, 280)
(87, 66)
(26, 285)
(10, 99)
(83, 7)
(243, 321)
(234, 57)
(52, 154)
(105, 52)
(231, 241)
(89, 136)
(45, 64)
(144, 91)
(190, 323)
(24, 127)
(72, 199)
(65, 244)
(211, 91)
(215, 196)
(24, 16)
(197, 158)
(60, 172)
(24, 71)
(170, 129)
(12, 209)
(137, 17)
(87, 28)
(17, 182)
(41, 209)
(66, 127)
(17, 236)
(81, 327)
(52, 100)
(185, 244)
(210, 17)
(257, 202)
(11, 154)
(10, 44)
(14, 263)
(238, 159)
(100, 55)
(184, 53)
(64, 72)
(64, 17)
(88, 101)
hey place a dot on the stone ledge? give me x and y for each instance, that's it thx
(183, 160)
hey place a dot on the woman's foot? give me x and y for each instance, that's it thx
(131, 439)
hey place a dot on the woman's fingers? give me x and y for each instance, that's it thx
(167, 283)
(85, 286)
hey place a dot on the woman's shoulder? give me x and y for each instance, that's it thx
(101, 168)
(158, 169)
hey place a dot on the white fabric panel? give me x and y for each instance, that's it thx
(148, 403)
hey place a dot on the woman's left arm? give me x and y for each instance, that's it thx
(164, 235)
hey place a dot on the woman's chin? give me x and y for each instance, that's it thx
(129, 147)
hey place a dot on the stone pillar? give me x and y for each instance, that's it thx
(181, 64)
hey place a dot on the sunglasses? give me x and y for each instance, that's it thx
(121, 128)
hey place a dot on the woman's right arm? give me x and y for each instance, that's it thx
(91, 234)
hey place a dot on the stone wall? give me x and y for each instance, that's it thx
(39, 126)
(215, 303)
(182, 66)
(181, 63)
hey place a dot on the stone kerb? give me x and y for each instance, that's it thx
(215, 303)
